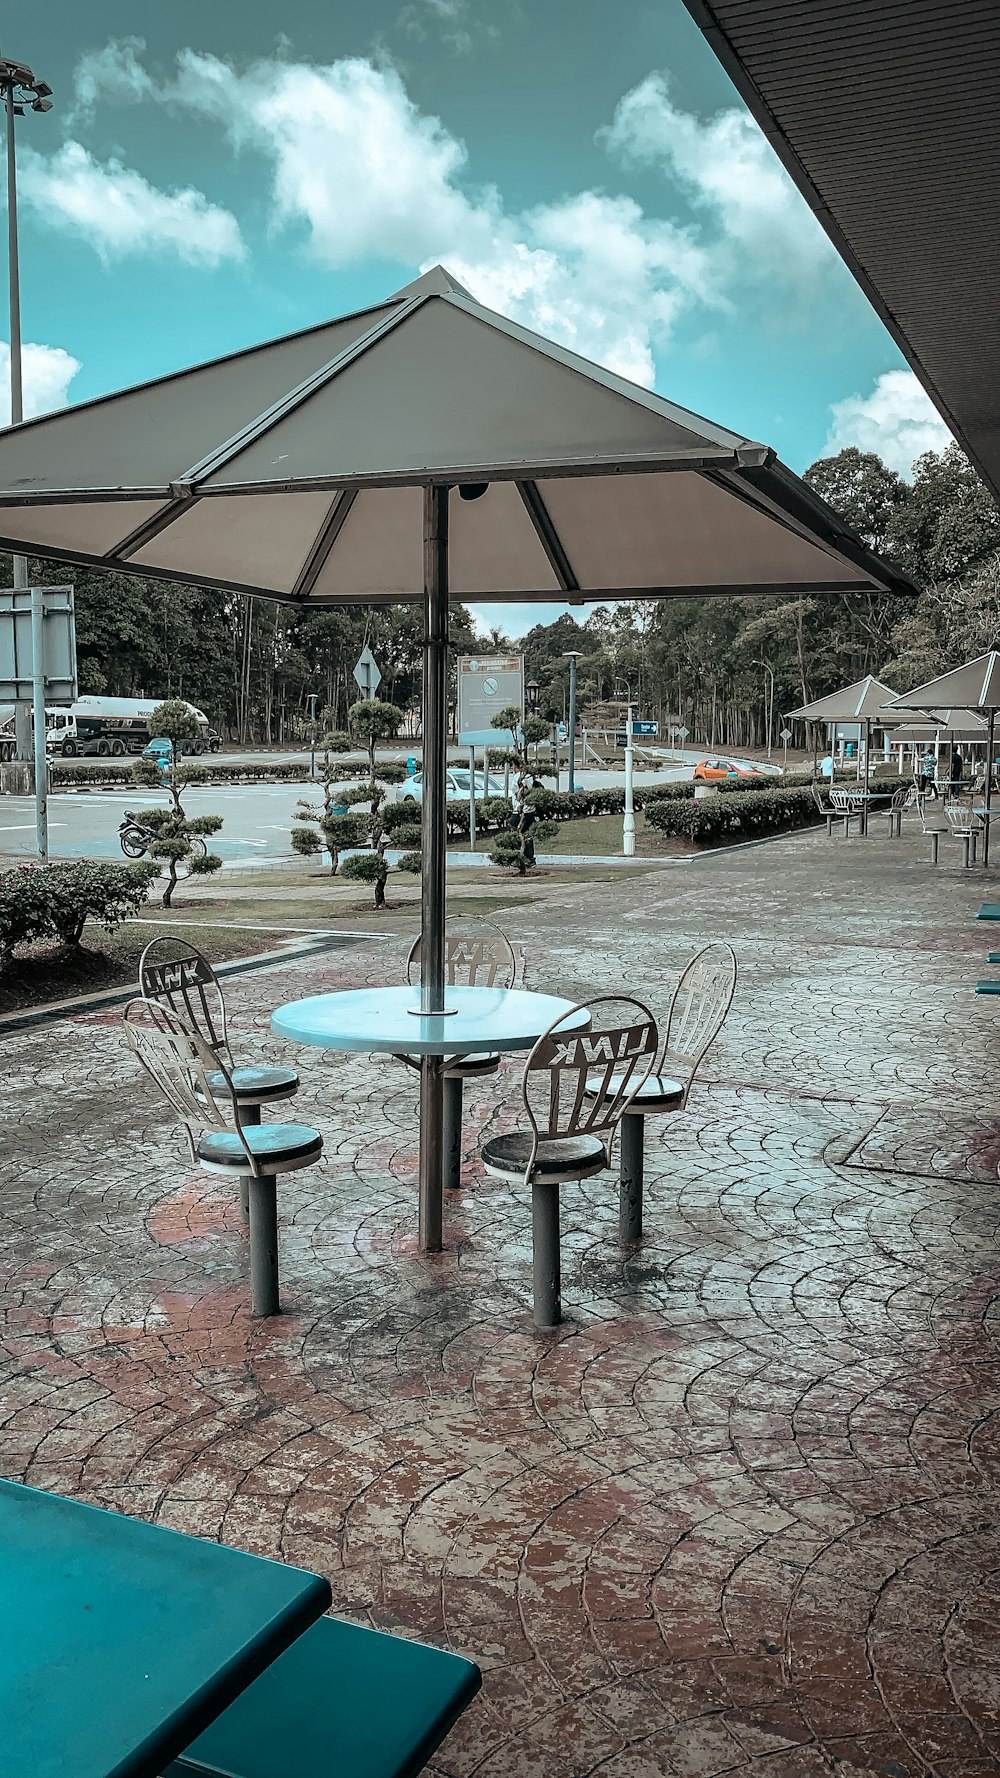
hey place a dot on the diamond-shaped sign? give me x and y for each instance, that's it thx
(367, 674)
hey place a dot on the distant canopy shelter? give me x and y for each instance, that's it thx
(319, 469)
(974, 688)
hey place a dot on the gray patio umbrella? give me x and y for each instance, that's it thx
(974, 686)
(318, 469)
(861, 702)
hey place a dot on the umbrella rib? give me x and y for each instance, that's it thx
(327, 536)
(143, 534)
(279, 410)
(548, 536)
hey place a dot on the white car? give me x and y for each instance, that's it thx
(412, 791)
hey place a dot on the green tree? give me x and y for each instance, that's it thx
(179, 841)
(368, 867)
(370, 721)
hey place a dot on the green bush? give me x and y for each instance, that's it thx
(367, 867)
(715, 819)
(411, 862)
(55, 901)
(407, 834)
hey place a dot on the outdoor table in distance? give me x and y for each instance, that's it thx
(123, 1640)
(990, 910)
(388, 1020)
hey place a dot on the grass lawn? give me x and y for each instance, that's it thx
(312, 899)
(46, 972)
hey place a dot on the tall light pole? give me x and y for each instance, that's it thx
(22, 91)
(768, 700)
(572, 655)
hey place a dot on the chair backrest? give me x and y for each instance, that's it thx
(962, 818)
(843, 799)
(587, 1067)
(901, 797)
(822, 802)
(699, 1008)
(476, 955)
(181, 1064)
(178, 977)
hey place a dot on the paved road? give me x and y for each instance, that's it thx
(257, 817)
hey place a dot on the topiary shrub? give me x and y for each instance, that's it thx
(367, 867)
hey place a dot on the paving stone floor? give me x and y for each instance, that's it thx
(740, 1511)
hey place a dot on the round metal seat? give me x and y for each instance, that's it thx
(557, 1159)
(276, 1148)
(257, 1086)
(469, 1067)
(657, 1093)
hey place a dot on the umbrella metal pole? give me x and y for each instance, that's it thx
(989, 788)
(433, 822)
(868, 750)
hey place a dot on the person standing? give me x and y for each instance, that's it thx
(928, 773)
(956, 771)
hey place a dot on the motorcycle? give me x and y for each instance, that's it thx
(135, 839)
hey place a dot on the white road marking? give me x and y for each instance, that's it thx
(26, 826)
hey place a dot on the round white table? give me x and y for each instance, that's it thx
(479, 1021)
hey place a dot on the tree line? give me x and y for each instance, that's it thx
(726, 669)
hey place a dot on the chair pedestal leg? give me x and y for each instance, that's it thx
(263, 1247)
(453, 1133)
(249, 1114)
(545, 1254)
(935, 839)
(630, 1177)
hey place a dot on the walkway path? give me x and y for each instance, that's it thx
(741, 1511)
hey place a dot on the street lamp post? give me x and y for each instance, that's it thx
(572, 655)
(23, 92)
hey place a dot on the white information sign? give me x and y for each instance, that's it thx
(486, 685)
(58, 639)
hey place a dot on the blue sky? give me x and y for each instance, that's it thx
(582, 165)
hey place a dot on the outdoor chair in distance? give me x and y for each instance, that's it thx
(698, 1011)
(342, 1699)
(848, 809)
(188, 1072)
(476, 955)
(578, 1083)
(826, 809)
(175, 975)
(901, 799)
(964, 826)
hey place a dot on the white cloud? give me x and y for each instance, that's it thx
(46, 371)
(114, 72)
(458, 23)
(119, 213)
(897, 420)
(363, 173)
(727, 168)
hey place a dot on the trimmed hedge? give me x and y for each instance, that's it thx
(55, 901)
(749, 814)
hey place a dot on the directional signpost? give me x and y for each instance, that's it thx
(367, 674)
(38, 660)
(786, 735)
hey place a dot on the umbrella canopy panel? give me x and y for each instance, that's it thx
(974, 686)
(294, 471)
(861, 702)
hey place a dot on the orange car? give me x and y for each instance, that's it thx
(708, 769)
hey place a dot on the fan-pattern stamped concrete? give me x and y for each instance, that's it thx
(741, 1511)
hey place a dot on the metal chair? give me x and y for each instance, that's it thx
(964, 826)
(698, 1011)
(175, 975)
(826, 809)
(901, 799)
(477, 955)
(200, 1087)
(848, 808)
(578, 1082)
(932, 830)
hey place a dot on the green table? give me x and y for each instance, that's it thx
(990, 910)
(121, 1642)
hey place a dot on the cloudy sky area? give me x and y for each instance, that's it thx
(582, 166)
